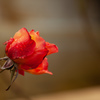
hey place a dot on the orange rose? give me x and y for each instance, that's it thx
(28, 50)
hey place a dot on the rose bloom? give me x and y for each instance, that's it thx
(28, 50)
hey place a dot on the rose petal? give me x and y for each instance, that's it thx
(22, 35)
(21, 72)
(40, 51)
(8, 43)
(41, 69)
(38, 55)
(22, 45)
(21, 50)
(33, 60)
(40, 42)
(28, 50)
(51, 47)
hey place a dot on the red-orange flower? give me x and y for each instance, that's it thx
(28, 50)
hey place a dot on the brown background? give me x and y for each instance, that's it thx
(73, 25)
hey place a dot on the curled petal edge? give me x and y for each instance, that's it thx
(52, 48)
(41, 69)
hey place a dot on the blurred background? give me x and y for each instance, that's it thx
(74, 26)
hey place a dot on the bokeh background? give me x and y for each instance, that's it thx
(74, 26)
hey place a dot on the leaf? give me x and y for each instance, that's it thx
(7, 64)
(13, 73)
(4, 58)
(2, 71)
